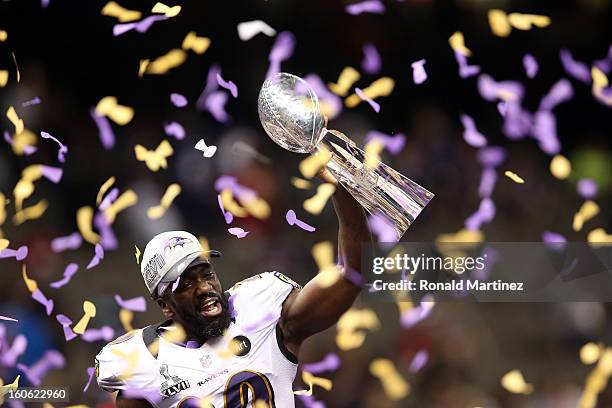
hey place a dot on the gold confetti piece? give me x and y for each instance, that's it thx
(22, 140)
(3, 35)
(590, 353)
(192, 42)
(316, 203)
(311, 165)
(89, 310)
(514, 177)
(125, 200)
(137, 255)
(329, 272)
(600, 81)
(514, 382)
(165, 63)
(560, 167)
(154, 159)
(168, 11)
(104, 188)
(16, 68)
(348, 336)
(498, 21)
(30, 213)
(457, 43)
(47, 405)
(258, 404)
(4, 75)
(372, 152)
(30, 283)
(599, 235)
(4, 243)
(14, 118)
(124, 15)
(300, 183)
(596, 381)
(142, 67)
(525, 21)
(311, 381)
(84, 218)
(174, 333)
(464, 235)
(231, 205)
(3, 202)
(588, 210)
(204, 244)
(393, 383)
(131, 358)
(347, 78)
(126, 317)
(78, 406)
(33, 172)
(9, 387)
(257, 207)
(120, 114)
(23, 189)
(381, 87)
(158, 211)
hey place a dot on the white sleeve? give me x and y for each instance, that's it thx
(258, 300)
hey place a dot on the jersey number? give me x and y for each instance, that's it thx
(237, 389)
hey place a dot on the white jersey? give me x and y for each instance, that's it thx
(257, 368)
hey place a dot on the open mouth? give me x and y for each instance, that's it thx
(210, 307)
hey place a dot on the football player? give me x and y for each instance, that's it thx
(234, 348)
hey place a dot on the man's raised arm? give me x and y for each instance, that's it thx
(315, 308)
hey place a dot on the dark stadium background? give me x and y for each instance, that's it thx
(68, 57)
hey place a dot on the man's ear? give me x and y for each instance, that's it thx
(165, 307)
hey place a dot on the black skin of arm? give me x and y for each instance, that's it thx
(121, 402)
(314, 308)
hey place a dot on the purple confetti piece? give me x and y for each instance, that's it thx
(241, 192)
(368, 6)
(310, 401)
(465, 70)
(576, 69)
(331, 362)
(229, 217)
(137, 304)
(502, 108)
(471, 135)
(9, 319)
(229, 85)
(72, 241)
(61, 153)
(419, 361)
(19, 254)
(394, 144)
(371, 63)
(108, 240)
(38, 296)
(560, 92)
(554, 241)
(65, 322)
(325, 96)
(281, 50)
(31, 102)
(53, 174)
(109, 199)
(44, 3)
(140, 26)
(211, 86)
(256, 324)
(488, 178)
(382, 228)
(105, 131)
(98, 256)
(27, 149)
(175, 284)
(293, 220)
(178, 100)
(69, 272)
(415, 315)
(105, 333)
(605, 64)
(517, 121)
(9, 357)
(544, 130)
(418, 71)
(492, 90)
(174, 129)
(215, 104)
(531, 65)
(587, 188)
(90, 373)
(50, 360)
(363, 97)
(238, 232)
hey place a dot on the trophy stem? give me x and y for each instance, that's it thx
(380, 190)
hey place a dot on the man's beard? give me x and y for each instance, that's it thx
(210, 327)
